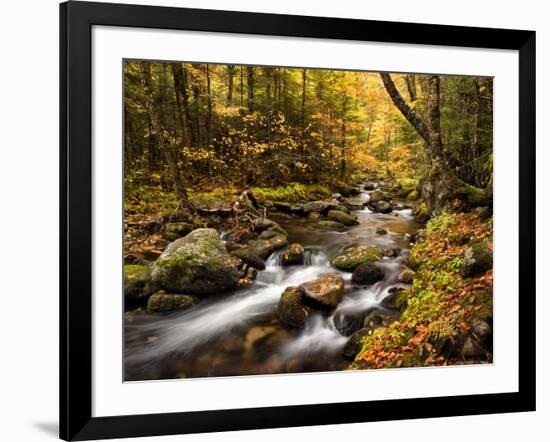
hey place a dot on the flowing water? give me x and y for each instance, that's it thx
(239, 334)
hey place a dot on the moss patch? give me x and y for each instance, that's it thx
(351, 257)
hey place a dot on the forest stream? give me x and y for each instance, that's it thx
(238, 333)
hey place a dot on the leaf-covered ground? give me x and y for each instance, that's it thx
(437, 311)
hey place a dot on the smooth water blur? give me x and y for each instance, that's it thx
(239, 334)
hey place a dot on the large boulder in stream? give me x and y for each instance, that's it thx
(352, 256)
(342, 217)
(478, 258)
(292, 309)
(327, 290)
(197, 264)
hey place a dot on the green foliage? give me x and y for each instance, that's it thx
(293, 192)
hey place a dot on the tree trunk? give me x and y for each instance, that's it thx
(250, 84)
(411, 86)
(209, 107)
(160, 131)
(230, 75)
(304, 93)
(181, 100)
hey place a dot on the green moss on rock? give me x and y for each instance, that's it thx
(351, 257)
(198, 264)
(162, 302)
(137, 281)
(342, 217)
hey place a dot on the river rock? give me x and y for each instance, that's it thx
(314, 215)
(197, 264)
(251, 273)
(247, 256)
(327, 289)
(391, 299)
(471, 348)
(369, 186)
(347, 321)
(338, 197)
(263, 224)
(354, 207)
(381, 207)
(330, 225)
(376, 196)
(406, 276)
(137, 282)
(481, 329)
(381, 231)
(162, 302)
(478, 258)
(412, 196)
(297, 209)
(351, 257)
(317, 206)
(367, 273)
(292, 309)
(282, 206)
(293, 255)
(354, 344)
(268, 234)
(265, 247)
(342, 217)
(173, 231)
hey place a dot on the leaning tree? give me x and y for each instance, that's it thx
(441, 185)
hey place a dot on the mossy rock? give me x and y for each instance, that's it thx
(477, 259)
(422, 214)
(412, 196)
(351, 257)
(377, 196)
(137, 282)
(342, 188)
(330, 225)
(293, 255)
(162, 302)
(292, 309)
(248, 257)
(342, 217)
(197, 264)
(173, 231)
(354, 344)
(265, 247)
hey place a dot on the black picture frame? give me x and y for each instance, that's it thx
(76, 21)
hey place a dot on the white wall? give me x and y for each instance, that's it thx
(29, 219)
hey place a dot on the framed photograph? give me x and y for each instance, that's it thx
(272, 221)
